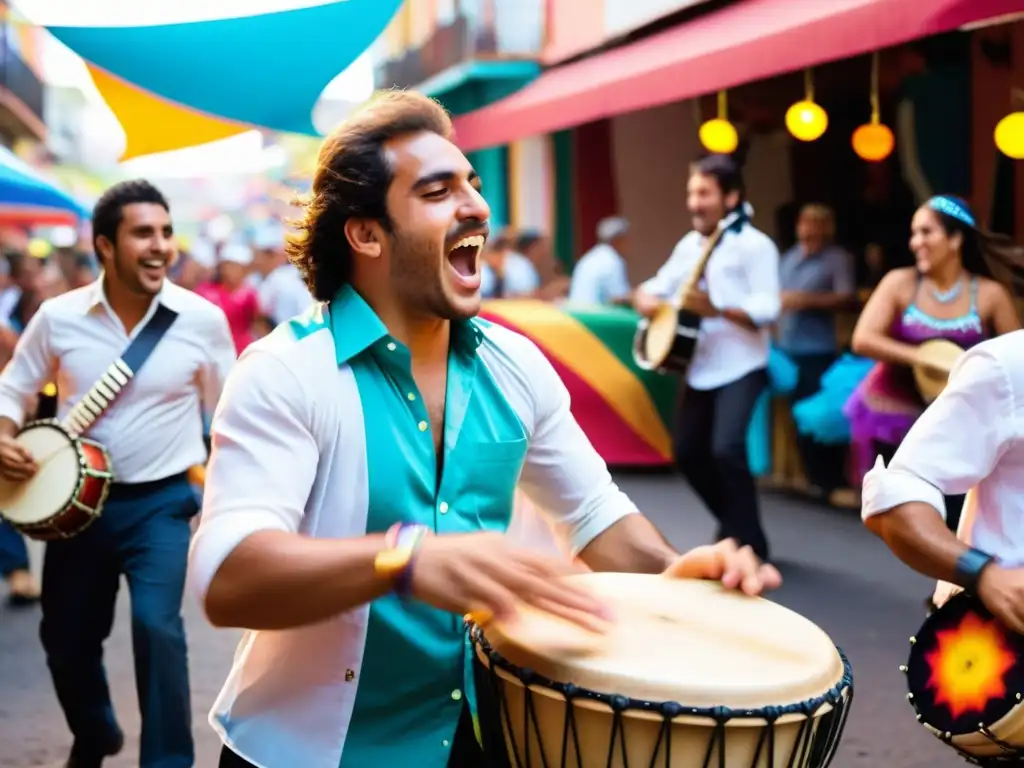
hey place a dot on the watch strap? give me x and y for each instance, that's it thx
(969, 567)
(405, 538)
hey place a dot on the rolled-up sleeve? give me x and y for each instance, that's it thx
(563, 474)
(955, 444)
(220, 357)
(763, 303)
(28, 370)
(262, 464)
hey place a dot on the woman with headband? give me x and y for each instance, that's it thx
(958, 291)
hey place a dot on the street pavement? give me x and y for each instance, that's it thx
(836, 574)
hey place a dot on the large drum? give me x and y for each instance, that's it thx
(67, 493)
(965, 676)
(690, 676)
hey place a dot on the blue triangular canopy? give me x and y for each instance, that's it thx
(267, 70)
(21, 185)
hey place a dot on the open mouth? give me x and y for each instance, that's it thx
(464, 256)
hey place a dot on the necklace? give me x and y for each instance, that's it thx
(945, 297)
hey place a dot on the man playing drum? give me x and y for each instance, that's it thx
(972, 436)
(153, 434)
(365, 460)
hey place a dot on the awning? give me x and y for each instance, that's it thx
(29, 199)
(747, 41)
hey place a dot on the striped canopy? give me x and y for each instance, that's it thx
(28, 198)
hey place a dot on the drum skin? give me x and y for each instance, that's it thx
(965, 677)
(671, 640)
(67, 493)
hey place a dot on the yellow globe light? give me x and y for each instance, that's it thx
(873, 142)
(806, 120)
(1010, 135)
(719, 136)
(39, 248)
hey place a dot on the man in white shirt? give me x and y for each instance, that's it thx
(283, 295)
(600, 275)
(153, 434)
(739, 298)
(364, 466)
(969, 439)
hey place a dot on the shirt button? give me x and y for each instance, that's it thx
(391, 346)
(423, 426)
(411, 396)
(444, 743)
(443, 506)
(456, 695)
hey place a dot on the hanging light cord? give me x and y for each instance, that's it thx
(808, 84)
(876, 112)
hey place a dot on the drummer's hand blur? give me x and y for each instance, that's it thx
(16, 463)
(645, 304)
(736, 567)
(1002, 592)
(484, 574)
(699, 303)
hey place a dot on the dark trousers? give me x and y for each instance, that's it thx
(466, 753)
(144, 535)
(13, 552)
(824, 464)
(711, 452)
(954, 504)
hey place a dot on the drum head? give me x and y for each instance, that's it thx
(965, 667)
(661, 334)
(693, 642)
(41, 498)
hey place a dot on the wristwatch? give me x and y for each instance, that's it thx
(969, 567)
(395, 561)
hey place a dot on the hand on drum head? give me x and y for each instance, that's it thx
(16, 463)
(486, 575)
(1002, 592)
(736, 567)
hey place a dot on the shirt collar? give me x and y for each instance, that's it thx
(98, 297)
(356, 327)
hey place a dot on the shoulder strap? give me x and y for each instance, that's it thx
(113, 381)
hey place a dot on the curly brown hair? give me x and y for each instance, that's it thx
(351, 181)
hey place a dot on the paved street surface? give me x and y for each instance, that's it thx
(836, 574)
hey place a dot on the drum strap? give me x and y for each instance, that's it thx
(113, 381)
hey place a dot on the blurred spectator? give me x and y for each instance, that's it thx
(282, 292)
(505, 273)
(229, 291)
(600, 275)
(536, 247)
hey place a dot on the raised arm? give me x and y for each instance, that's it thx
(871, 337)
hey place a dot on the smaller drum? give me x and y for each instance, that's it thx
(965, 678)
(691, 675)
(67, 493)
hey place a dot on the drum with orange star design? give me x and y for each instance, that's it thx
(965, 675)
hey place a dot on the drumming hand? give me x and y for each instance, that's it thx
(16, 463)
(1002, 592)
(736, 567)
(484, 573)
(699, 303)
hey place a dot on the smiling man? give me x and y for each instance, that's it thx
(365, 462)
(153, 434)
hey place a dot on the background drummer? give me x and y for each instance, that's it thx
(739, 298)
(329, 475)
(153, 434)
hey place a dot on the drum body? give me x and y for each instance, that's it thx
(67, 493)
(691, 676)
(965, 677)
(667, 342)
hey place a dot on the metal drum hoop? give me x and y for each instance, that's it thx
(839, 697)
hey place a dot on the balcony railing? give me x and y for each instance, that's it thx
(19, 79)
(481, 29)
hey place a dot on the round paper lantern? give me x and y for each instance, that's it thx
(1010, 135)
(873, 142)
(719, 136)
(806, 120)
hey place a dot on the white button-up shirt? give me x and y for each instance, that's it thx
(154, 429)
(742, 273)
(969, 438)
(599, 277)
(290, 455)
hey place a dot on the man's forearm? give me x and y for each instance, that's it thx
(278, 580)
(631, 545)
(8, 427)
(741, 318)
(920, 538)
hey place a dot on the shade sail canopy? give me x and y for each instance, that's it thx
(28, 198)
(749, 40)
